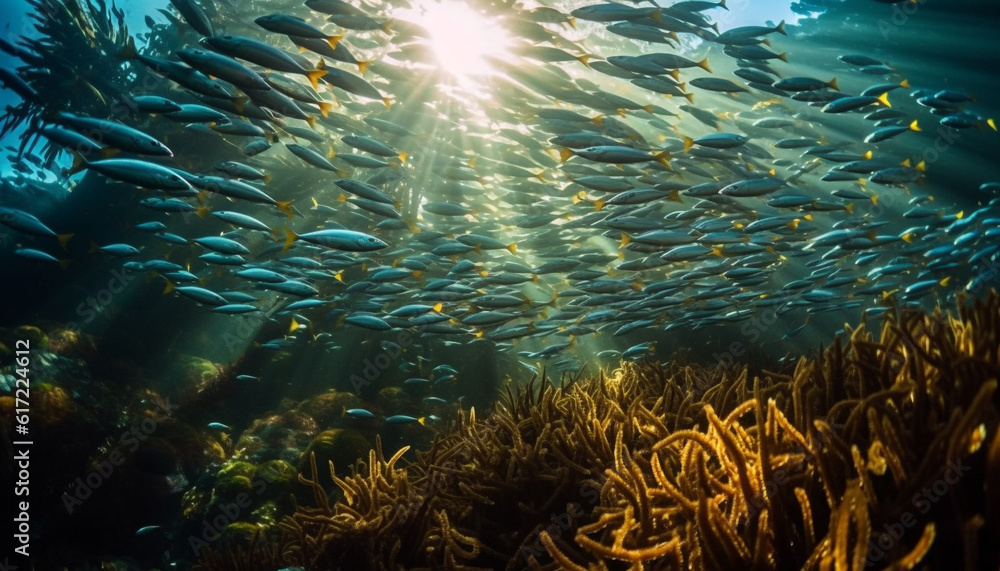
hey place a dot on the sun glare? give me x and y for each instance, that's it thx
(460, 36)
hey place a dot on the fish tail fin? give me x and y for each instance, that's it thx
(625, 240)
(571, 22)
(311, 121)
(780, 28)
(722, 4)
(324, 108)
(293, 326)
(914, 126)
(290, 237)
(363, 66)
(388, 102)
(286, 207)
(992, 124)
(512, 247)
(387, 26)
(339, 276)
(832, 84)
(267, 178)
(403, 156)
(79, 163)
(584, 59)
(423, 419)
(564, 154)
(921, 166)
(656, 16)
(905, 83)
(689, 97)
(884, 99)
(688, 143)
(598, 204)
(202, 211)
(168, 288)
(849, 207)
(333, 41)
(703, 64)
(597, 120)
(316, 74)
(649, 108)
(64, 264)
(874, 199)
(240, 103)
(64, 239)
(663, 158)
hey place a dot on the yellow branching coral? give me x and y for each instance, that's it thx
(868, 456)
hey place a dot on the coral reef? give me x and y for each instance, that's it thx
(880, 453)
(339, 446)
(115, 454)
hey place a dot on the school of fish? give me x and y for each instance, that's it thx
(630, 168)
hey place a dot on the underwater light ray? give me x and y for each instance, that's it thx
(461, 38)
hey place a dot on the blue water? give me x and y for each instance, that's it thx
(123, 339)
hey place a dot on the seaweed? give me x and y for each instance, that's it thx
(876, 453)
(71, 59)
